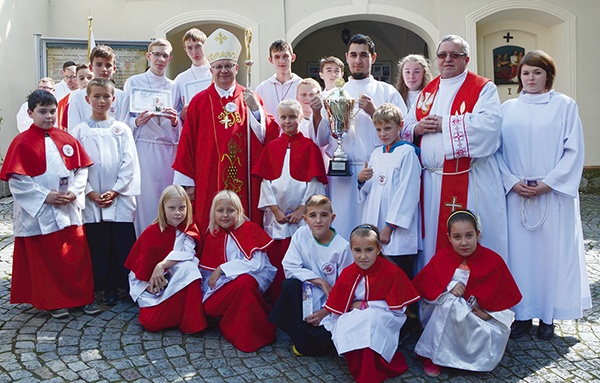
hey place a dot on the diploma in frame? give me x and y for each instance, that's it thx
(153, 100)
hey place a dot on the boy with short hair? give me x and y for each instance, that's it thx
(308, 94)
(68, 83)
(83, 75)
(47, 170)
(316, 256)
(330, 69)
(292, 170)
(156, 133)
(103, 64)
(284, 83)
(198, 76)
(113, 183)
(392, 197)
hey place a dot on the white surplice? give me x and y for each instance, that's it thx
(308, 259)
(156, 144)
(453, 336)
(259, 267)
(542, 140)
(110, 145)
(31, 215)
(392, 196)
(288, 194)
(360, 141)
(482, 129)
(80, 110)
(273, 92)
(184, 272)
(376, 327)
(193, 74)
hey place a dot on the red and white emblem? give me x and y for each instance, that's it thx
(68, 150)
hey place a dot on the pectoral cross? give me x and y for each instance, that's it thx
(225, 121)
(453, 205)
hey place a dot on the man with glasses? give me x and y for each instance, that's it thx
(223, 135)
(23, 119)
(156, 131)
(69, 81)
(457, 121)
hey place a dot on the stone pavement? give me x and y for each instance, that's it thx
(113, 347)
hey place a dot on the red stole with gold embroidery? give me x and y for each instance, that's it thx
(455, 178)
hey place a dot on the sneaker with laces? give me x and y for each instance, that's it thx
(60, 313)
(295, 351)
(92, 308)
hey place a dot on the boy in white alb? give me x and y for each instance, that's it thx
(156, 133)
(389, 186)
(283, 84)
(198, 76)
(113, 183)
(317, 255)
(103, 64)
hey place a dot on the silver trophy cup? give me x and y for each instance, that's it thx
(339, 106)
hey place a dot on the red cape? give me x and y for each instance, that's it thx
(306, 160)
(215, 156)
(490, 281)
(249, 238)
(26, 154)
(383, 281)
(153, 246)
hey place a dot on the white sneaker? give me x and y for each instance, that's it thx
(60, 313)
(92, 308)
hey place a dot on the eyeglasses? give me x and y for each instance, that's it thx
(46, 88)
(71, 77)
(163, 56)
(219, 68)
(453, 55)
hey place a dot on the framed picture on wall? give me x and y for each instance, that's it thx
(506, 64)
(381, 70)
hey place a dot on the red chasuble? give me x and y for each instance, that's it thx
(383, 281)
(455, 181)
(213, 151)
(306, 160)
(26, 154)
(249, 238)
(490, 281)
(153, 246)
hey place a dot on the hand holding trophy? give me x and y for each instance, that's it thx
(339, 106)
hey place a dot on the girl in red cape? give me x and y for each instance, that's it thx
(165, 280)
(236, 273)
(368, 302)
(467, 293)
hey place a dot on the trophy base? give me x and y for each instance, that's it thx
(339, 168)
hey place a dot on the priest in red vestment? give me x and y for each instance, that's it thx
(223, 135)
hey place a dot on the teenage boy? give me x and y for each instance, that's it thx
(156, 133)
(198, 76)
(69, 81)
(24, 121)
(283, 84)
(330, 69)
(103, 64)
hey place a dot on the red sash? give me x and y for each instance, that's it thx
(455, 180)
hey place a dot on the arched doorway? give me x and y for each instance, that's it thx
(392, 42)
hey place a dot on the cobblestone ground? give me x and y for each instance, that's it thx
(112, 346)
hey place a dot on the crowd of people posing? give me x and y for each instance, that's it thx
(216, 203)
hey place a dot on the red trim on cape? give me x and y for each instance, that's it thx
(306, 160)
(490, 280)
(26, 154)
(249, 237)
(153, 246)
(455, 187)
(383, 281)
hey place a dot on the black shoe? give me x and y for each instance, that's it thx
(110, 297)
(545, 331)
(519, 328)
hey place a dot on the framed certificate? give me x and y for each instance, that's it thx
(153, 100)
(194, 87)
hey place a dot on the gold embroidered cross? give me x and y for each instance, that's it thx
(225, 121)
(220, 38)
(453, 205)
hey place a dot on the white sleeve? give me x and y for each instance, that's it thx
(27, 193)
(406, 197)
(293, 266)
